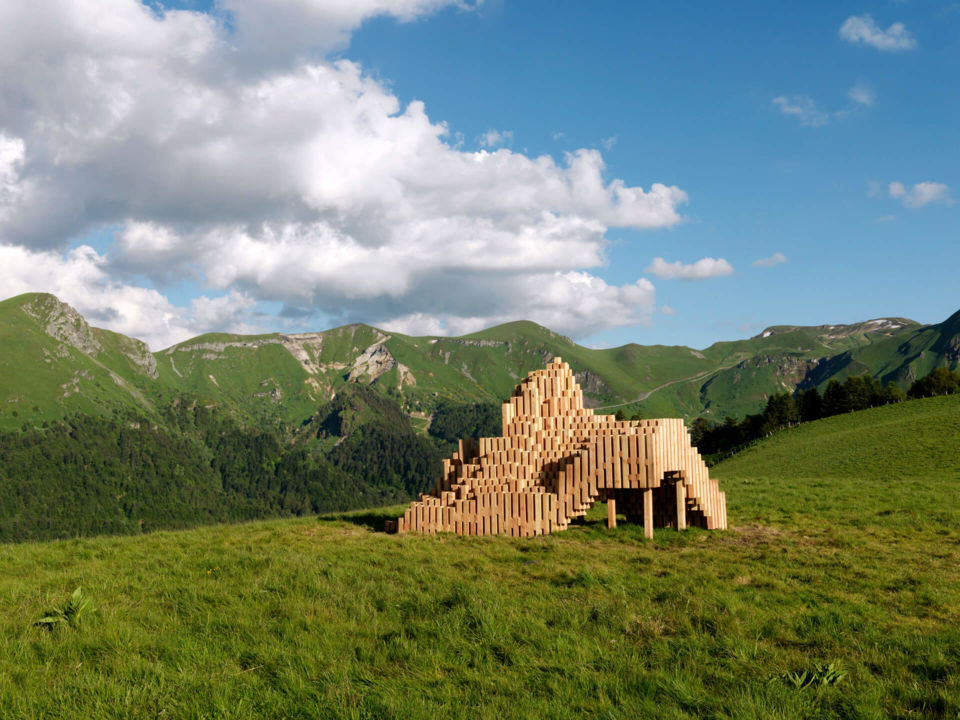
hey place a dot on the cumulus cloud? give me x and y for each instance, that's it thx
(569, 302)
(863, 30)
(924, 193)
(700, 270)
(11, 160)
(241, 158)
(270, 31)
(803, 108)
(80, 278)
(496, 138)
(776, 259)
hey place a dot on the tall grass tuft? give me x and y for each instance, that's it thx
(71, 613)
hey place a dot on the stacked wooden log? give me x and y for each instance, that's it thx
(556, 458)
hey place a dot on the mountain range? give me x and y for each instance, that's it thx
(53, 363)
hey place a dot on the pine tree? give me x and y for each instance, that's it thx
(836, 399)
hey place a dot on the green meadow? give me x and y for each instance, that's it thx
(836, 593)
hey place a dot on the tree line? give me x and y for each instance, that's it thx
(856, 392)
(90, 475)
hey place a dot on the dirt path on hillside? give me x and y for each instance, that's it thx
(647, 394)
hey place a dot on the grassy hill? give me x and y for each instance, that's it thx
(53, 363)
(904, 456)
(844, 552)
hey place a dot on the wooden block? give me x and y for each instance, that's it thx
(618, 463)
(611, 513)
(681, 494)
(648, 513)
(522, 513)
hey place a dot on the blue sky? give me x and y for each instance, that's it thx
(686, 90)
(822, 134)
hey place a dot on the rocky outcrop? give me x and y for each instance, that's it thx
(275, 394)
(592, 385)
(372, 363)
(63, 323)
(481, 343)
(406, 377)
(219, 347)
(139, 354)
(73, 386)
(305, 348)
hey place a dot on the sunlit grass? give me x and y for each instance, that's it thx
(857, 570)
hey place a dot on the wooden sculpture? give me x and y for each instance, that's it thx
(556, 459)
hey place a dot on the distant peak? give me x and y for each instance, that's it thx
(877, 325)
(61, 321)
(514, 328)
(952, 324)
(884, 324)
(19, 300)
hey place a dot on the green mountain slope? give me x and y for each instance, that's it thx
(901, 358)
(782, 358)
(54, 363)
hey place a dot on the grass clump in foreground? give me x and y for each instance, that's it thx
(837, 594)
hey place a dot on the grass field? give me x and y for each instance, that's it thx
(835, 594)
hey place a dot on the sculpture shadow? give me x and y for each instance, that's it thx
(375, 519)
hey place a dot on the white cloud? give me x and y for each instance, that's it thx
(245, 161)
(863, 30)
(158, 132)
(886, 218)
(862, 95)
(80, 278)
(496, 138)
(806, 110)
(609, 142)
(803, 108)
(700, 270)
(529, 274)
(270, 31)
(667, 310)
(11, 160)
(776, 259)
(570, 303)
(924, 193)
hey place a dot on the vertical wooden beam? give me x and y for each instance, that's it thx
(648, 513)
(611, 512)
(681, 505)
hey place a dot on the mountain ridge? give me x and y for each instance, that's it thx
(55, 362)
